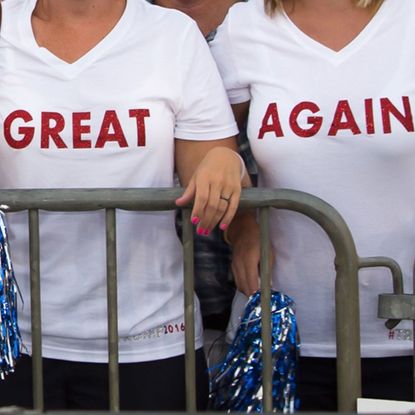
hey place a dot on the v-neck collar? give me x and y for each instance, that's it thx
(336, 57)
(71, 70)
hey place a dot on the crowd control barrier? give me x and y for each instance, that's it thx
(347, 262)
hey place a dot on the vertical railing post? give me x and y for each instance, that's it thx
(35, 304)
(112, 301)
(266, 325)
(347, 333)
(189, 318)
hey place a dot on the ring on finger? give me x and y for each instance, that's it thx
(226, 198)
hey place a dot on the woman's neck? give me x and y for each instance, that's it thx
(71, 28)
(333, 23)
(325, 6)
(184, 4)
(67, 11)
(321, 5)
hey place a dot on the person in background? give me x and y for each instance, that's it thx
(208, 14)
(95, 94)
(330, 89)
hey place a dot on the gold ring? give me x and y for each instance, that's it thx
(227, 199)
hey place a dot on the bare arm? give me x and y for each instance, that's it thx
(240, 111)
(243, 234)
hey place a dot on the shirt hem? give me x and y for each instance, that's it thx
(132, 356)
(366, 351)
(210, 135)
(239, 98)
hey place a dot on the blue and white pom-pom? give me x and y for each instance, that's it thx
(9, 332)
(237, 384)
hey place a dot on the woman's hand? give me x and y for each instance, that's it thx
(244, 237)
(215, 185)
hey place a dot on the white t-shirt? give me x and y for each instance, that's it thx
(107, 120)
(339, 125)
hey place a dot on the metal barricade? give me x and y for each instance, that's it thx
(347, 265)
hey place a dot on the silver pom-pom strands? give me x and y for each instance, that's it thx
(237, 384)
(9, 332)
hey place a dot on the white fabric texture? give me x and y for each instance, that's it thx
(106, 121)
(338, 125)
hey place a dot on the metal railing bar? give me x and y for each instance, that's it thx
(145, 199)
(380, 261)
(189, 319)
(35, 304)
(112, 304)
(63, 200)
(266, 325)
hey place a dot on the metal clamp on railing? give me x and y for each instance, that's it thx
(397, 307)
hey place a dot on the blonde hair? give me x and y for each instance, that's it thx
(271, 6)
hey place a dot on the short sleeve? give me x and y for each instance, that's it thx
(224, 55)
(204, 112)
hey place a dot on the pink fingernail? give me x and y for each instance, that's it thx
(195, 220)
(223, 226)
(207, 232)
(200, 231)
